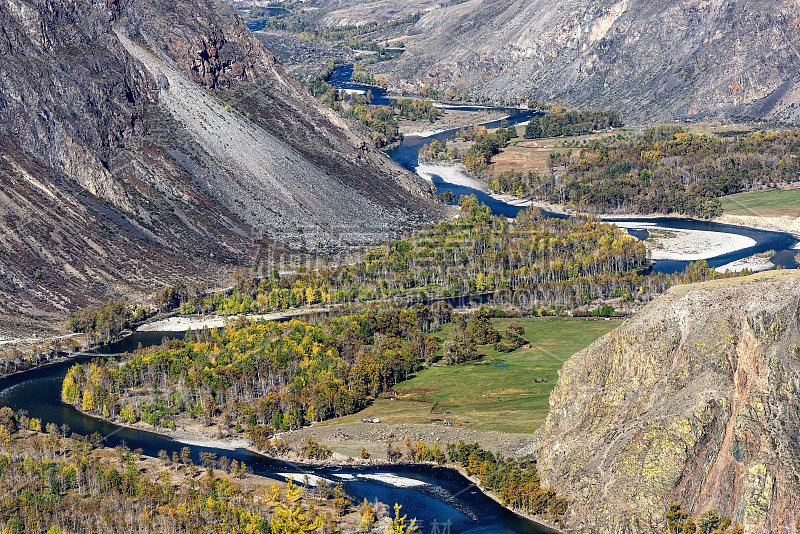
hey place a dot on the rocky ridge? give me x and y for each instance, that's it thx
(695, 400)
(652, 61)
(145, 142)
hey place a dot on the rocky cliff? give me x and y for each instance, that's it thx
(696, 400)
(144, 142)
(650, 60)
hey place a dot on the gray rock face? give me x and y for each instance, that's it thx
(160, 141)
(695, 400)
(650, 60)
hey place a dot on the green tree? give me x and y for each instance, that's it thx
(676, 518)
(709, 522)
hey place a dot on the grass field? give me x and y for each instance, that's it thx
(500, 394)
(534, 154)
(769, 203)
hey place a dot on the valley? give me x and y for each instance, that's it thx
(490, 263)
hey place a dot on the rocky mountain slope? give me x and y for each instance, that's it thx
(653, 61)
(696, 400)
(145, 142)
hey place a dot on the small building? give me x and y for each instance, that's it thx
(370, 420)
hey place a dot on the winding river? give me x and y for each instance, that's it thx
(432, 494)
(407, 155)
(441, 499)
(436, 496)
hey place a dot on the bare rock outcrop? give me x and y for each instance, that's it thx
(145, 142)
(652, 61)
(696, 400)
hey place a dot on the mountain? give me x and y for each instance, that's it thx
(145, 142)
(696, 400)
(652, 61)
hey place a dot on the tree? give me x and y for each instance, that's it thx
(709, 522)
(513, 339)
(340, 500)
(8, 419)
(367, 512)
(128, 414)
(290, 517)
(676, 518)
(398, 524)
(690, 527)
(481, 331)
(447, 197)
(186, 455)
(533, 130)
(88, 401)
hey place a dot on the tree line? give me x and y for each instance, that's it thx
(106, 320)
(516, 482)
(301, 24)
(58, 485)
(256, 378)
(486, 144)
(477, 157)
(558, 123)
(662, 170)
(709, 522)
(536, 265)
(563, 263)
(382, 120)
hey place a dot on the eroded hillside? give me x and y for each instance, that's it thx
(650, 60)
(696, 400)
(147, 142)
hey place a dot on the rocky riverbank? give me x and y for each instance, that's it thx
(195, 322)
(787, 225)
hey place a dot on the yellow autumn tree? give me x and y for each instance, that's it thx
(69, 389)
(289, 516)
(88, 401)
(398, 524)
(367, 515)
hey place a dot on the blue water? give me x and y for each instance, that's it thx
(407, 155)
(446, 496)
(764, 241)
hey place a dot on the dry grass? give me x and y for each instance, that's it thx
(534, 154)
(765, 276)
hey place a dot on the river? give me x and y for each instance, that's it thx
(407, 155)
(434, 495)
(428, 493)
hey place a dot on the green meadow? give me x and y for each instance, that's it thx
(498, 392)
(769, 203)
